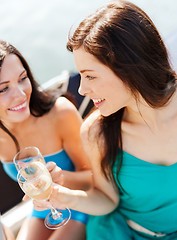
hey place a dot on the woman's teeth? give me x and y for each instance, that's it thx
(19, 107)
(98, 100)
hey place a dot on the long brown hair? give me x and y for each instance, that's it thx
(122, 36)
(40, 102)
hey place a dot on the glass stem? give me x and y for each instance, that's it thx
(55, 213)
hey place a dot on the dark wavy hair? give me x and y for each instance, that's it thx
(40, 102)
(121, 36)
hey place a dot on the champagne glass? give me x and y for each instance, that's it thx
(35, 180)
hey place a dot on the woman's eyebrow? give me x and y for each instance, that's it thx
(22, 72)
(4, 82)
(86, 70)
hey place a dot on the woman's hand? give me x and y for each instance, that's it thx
(41, 205)
(56, 173)
(59, 198)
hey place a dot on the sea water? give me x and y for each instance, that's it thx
(39, 29)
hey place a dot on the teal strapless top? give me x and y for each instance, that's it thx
(148, 193)
(60, 158)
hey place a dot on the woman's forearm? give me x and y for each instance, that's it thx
(81, 180)
(93, 201)
(73, 180)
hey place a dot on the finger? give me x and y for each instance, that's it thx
(41, 205)
(50, 166)
(56, 174)
(25, 198)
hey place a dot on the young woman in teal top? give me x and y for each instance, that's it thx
(31, 117)
(131, 140)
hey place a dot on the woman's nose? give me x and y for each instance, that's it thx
(83, 89)
(18, 91)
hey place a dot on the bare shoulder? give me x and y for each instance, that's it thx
(91, 125)
(90, 130)
(6, 143)
(64, 109)
(62, 104)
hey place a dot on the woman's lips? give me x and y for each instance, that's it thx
(19, 107)
(98, 102)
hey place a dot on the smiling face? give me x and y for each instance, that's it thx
(100, 83)
(15, 91)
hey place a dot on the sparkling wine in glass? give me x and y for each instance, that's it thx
(35, 180)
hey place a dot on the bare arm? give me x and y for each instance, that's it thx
(69, 121)
(102, 198)
(73, 180)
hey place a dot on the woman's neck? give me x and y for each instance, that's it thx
(141, 113)
(16, 127)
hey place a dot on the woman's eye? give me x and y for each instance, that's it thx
(90, 77)
(23, 79)
(3, 90)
